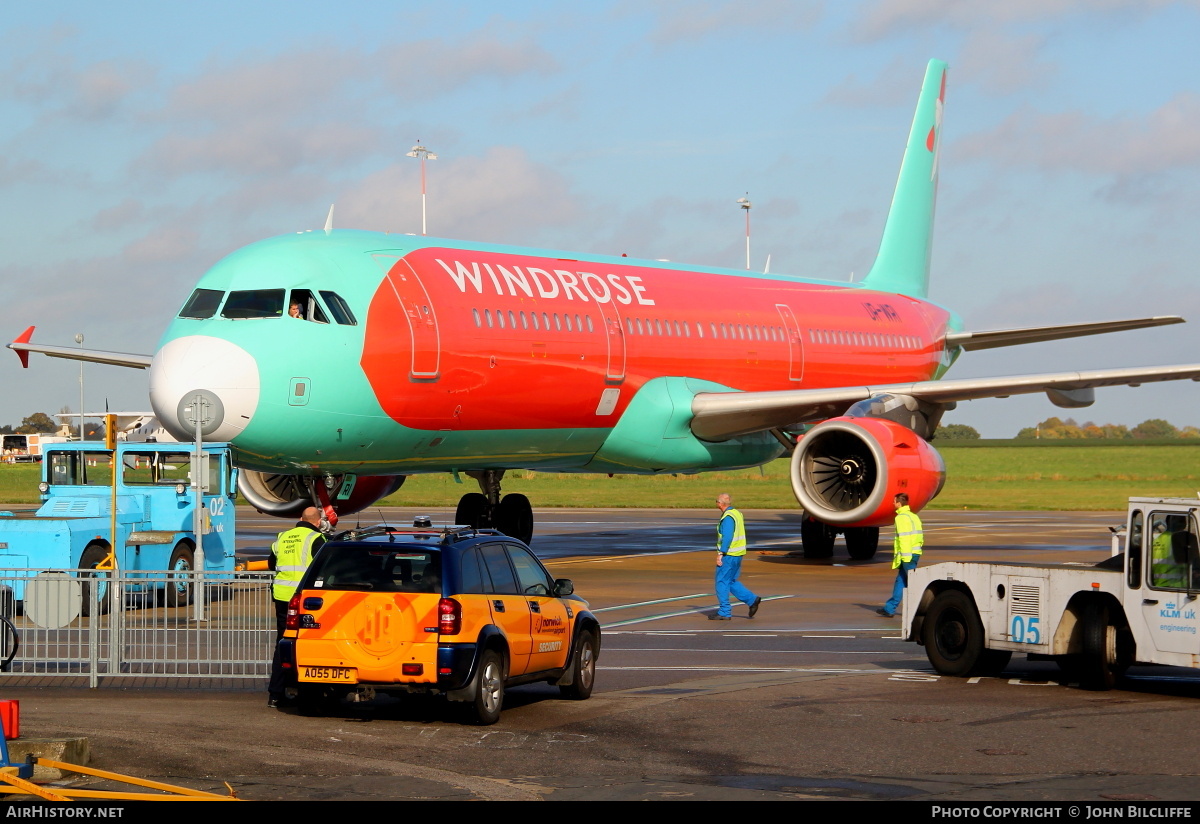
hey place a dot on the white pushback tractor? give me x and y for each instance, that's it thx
(1137, 606)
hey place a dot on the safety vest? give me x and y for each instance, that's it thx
(1164, 572)
(737, 544)
(909, 537)
(293, 552)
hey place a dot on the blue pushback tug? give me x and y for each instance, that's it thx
(155, 508)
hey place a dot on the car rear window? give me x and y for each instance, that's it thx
(377, 569)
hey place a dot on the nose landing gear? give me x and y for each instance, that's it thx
(512, 514)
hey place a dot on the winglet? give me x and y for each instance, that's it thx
(22, 353)
(329, 220)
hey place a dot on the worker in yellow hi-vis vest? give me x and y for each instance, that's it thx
(906, 551)
(291, 554)
(731, 548)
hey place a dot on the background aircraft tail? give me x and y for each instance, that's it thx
(902, 264)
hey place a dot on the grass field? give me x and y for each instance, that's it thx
(978, 477)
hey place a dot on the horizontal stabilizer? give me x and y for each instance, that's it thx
(23, 347)
(722, 415)
(972, 341)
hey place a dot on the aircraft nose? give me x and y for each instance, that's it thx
(205, 375)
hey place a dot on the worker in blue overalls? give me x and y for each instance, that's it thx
(731, 548)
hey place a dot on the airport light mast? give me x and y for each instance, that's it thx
(424, 154)
(79, 340)
(745, 204)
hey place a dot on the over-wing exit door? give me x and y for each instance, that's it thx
(422, 318)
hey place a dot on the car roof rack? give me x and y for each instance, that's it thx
(448, 532)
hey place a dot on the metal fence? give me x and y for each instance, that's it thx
(100, 625)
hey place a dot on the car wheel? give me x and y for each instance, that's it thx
(953, 634)
(179, 581)
(1103, 661)
(583, 669)
(489, 689)
(91, 558)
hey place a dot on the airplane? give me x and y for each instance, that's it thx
(338, 362)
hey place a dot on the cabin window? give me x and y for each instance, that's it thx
(557, 323)
(487, 316)
(512, 320)
(202, 304)
(338, 308)
(524, 321)
(588, 318)
(687, 329)
(499, 318)
(699, 329)
(303, 304)
(478, 320)
(254, 303)
(567, 322)
(533, 319)
(1133, 550)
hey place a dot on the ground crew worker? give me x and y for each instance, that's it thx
(1164, 570)
(906, 551)
(291, 554)
(731, 548)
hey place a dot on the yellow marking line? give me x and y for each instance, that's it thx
(20, 785)
(129, 779)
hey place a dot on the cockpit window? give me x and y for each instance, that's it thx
(254, 303)
(303, 305)
(339, 308)
(202, 304)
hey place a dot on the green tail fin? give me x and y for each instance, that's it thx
(902, 264)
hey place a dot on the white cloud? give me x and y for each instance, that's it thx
(884, 18)
(1166, 139)
(679, 21)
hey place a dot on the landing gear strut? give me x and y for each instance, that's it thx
(512, 514)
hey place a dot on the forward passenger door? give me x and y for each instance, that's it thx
(548, 614)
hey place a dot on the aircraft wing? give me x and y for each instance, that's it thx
(722, 415)
(971, 341)
(23, 347)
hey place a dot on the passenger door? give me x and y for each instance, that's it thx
(549, 622)
(510, 611)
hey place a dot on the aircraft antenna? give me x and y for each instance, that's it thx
(329, 220)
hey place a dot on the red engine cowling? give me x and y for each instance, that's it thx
(286, 496)
(845, 471)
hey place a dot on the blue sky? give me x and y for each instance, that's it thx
(141, 142)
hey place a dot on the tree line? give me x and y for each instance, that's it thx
(1054, 429)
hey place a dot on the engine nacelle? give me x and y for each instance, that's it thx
(286, 496)
(846, 471)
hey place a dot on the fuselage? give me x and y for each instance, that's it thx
(419, 354)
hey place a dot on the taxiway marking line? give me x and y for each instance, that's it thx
(676, 614)
(658, 601)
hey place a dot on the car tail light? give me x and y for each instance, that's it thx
(449, 617)
(412, 669)
(293, 613)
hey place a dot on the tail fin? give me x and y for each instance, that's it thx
(902, 264)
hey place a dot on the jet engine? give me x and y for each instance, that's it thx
(845, 471)
(286, 496)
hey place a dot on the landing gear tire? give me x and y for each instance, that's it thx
(489, 690)
(953, 635)
(583, 669)
(179, 587)
(514, 517)
(472, 511)
(816, 538)
(1105, 655)
(91, 558)
(862, 542)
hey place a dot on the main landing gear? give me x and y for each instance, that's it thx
(512, 514)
